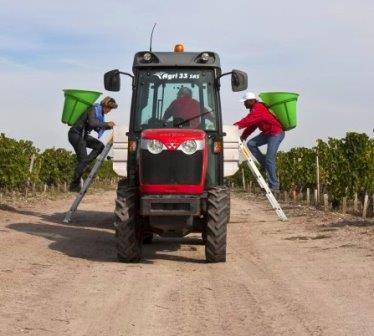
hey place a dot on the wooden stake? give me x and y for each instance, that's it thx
(326, 202)
(243, 179)
(65, 187)
(315, 197)
(45, 188)
(307, 196)
(365, 209)
(355, 203)
(294, 196)
(344, 209)
(250, 187)
(32, 163)
(31, 167)
(285, 194)
(14, 198)
(317, 179)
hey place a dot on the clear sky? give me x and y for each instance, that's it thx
(323, 50)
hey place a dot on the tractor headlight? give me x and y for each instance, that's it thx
(147, 57)
(155, 146)
(189, 147)
(205, 57)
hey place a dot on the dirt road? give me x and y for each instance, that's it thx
(313, 275)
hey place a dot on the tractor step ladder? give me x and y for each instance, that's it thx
(99, 161)
(260, 180)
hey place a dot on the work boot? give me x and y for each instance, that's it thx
(275, 192)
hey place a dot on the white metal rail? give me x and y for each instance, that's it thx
(99, 161)
(260, 180)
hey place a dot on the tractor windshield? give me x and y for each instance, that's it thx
(176, 98)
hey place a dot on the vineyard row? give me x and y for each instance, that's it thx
(339, 168)
(22, 164)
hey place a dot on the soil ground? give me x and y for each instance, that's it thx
(312, 275)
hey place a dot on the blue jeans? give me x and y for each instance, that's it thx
(268, 161)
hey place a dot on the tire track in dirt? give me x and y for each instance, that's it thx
(65, 280)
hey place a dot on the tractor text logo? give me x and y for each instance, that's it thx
(164, 75)
(177, 75)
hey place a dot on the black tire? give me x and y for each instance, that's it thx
(128, 231)
(216, 227)
(147, 238)
(228, 205)
(203, 236)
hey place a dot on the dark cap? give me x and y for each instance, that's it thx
(109, 102)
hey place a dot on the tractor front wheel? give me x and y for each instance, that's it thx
(128, 232)
(216, 226)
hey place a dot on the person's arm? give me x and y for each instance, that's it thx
(209, 114)
(247, 132)
(93, 122)
(169, 112)
(251, 120)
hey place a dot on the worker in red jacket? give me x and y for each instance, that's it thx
(186, 110)
(272, 134)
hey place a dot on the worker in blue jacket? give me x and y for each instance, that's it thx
(80, 138)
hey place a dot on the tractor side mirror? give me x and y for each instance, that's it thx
(112, 80)
(239, 80)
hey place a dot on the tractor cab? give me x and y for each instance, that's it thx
(175, 99)
(172, 153)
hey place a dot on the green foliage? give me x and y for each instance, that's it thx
(297, 168)
(106, 170)
(15, 158)
(53, 166)
(56, 166)
(346, 165)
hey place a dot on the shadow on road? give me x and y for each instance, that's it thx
(88, 242)
(85, 243)
(160, 246)
(82, 218)
(355, 223)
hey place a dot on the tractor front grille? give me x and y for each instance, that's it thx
(171, 167)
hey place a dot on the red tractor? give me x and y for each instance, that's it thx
(172, 154)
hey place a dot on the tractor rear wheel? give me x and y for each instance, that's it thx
(128, 231)
(216, 226)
